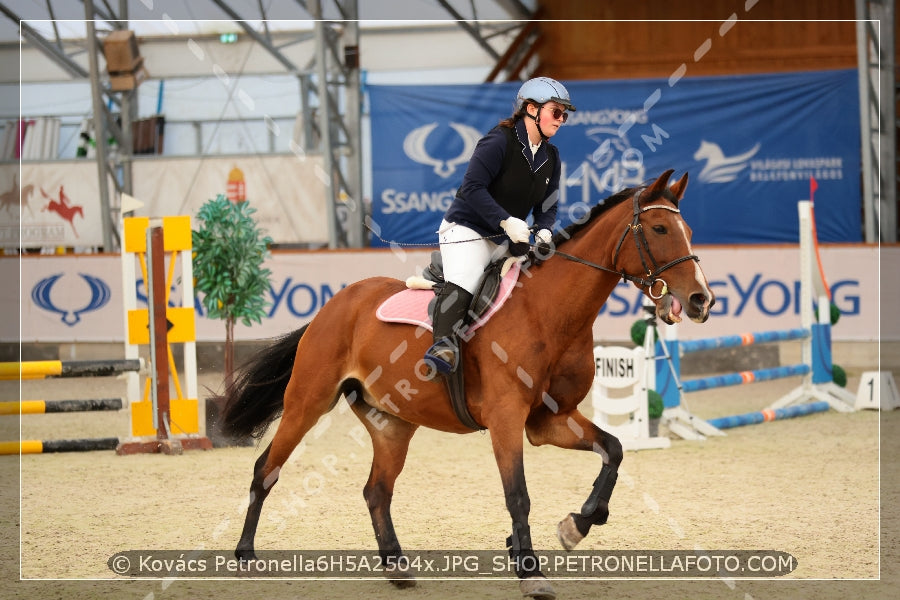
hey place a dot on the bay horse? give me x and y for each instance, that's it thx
(527, 369)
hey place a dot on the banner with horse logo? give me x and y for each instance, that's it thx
(50, 204)
(57, 203)
(750, 144)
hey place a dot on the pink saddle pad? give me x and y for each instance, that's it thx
(411, 306)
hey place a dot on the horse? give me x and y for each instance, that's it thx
(527, 369)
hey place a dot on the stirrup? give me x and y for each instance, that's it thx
(443, 356)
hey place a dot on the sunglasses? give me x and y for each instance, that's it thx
(558, 114)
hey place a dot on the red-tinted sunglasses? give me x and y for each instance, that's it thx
(558, 114)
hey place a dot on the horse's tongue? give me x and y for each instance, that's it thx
(676, 306)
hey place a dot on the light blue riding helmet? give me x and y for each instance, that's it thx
(542, 90)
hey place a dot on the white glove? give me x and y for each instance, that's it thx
(543, 235)
(516, 229)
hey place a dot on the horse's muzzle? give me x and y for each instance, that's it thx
(698, 307)
(669, 308)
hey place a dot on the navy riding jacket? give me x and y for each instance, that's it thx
(503, 180)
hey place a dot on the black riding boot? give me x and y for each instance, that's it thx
(450, 308)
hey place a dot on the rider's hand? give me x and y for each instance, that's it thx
(542, 240)
(517, 230)
(543, 236)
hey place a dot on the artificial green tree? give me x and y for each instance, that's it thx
(229, 251)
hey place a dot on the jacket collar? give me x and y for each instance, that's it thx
(540, 157)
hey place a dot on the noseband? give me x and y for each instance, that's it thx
(651, 268)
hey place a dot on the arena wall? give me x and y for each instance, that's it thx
(757, 289)
(718, 37)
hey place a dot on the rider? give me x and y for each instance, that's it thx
(513, 171)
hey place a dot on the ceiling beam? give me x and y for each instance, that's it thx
(526, 35)
(472, 31)
(515, 8)
(52, 52)
(258, 37)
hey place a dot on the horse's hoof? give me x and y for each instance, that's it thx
(245, 554)
(568, 533)
(400, 578)
(538, 588)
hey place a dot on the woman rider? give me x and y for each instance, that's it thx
(513, 171)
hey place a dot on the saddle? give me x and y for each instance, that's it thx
(485, 294)
(409, 306)
(413, 305)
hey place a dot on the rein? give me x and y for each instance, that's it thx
(392, 243)
(653, 270)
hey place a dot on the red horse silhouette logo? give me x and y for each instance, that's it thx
(63, 208)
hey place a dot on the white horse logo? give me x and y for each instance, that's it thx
(720, 168)
(414, 147)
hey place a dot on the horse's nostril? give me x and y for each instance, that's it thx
(698, 300)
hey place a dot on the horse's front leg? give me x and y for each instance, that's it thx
(572, 430)
(506, 438)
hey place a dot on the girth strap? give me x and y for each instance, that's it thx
(456, 387)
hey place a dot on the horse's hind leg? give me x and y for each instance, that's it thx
(390, 444)
(259, 489)
(296, 421)
(573, 430)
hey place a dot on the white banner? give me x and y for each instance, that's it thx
(50, 204)
(59, 202)
(79, 298)
(287, 191)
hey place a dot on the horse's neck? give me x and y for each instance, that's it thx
(576, 290)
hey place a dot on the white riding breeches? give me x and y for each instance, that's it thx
(465, 254)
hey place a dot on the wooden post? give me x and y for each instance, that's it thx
(159, 299)
(155, 237)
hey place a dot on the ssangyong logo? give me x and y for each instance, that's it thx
(720, 168)
(414, 147)
(100, 294)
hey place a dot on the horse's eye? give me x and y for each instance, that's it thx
(660, 229)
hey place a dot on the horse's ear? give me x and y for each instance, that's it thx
(678, 187)
(659, 186)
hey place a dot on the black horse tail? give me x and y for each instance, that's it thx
(256, 396)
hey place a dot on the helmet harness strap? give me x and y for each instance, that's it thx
(537, 121)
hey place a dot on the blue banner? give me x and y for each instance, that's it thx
(750, 144)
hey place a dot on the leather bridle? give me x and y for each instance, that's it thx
(652, 269)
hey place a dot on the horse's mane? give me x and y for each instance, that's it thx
(598, 209)
(602, 207)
